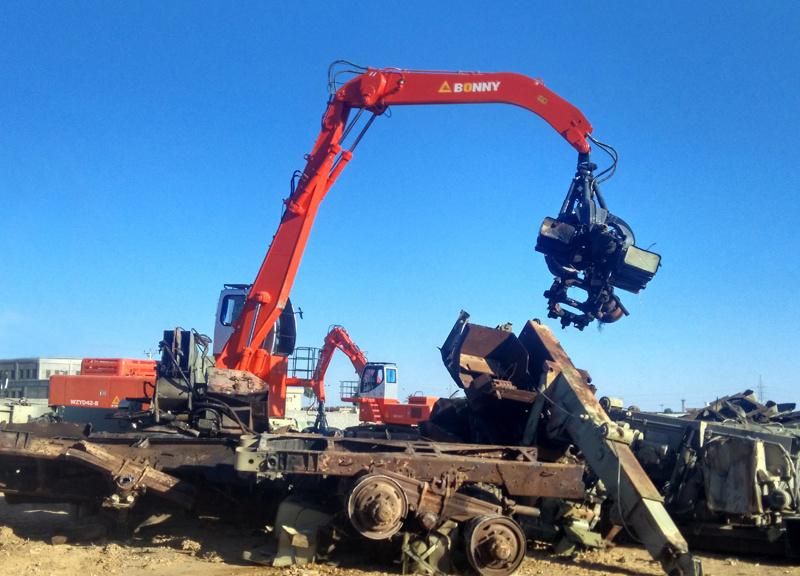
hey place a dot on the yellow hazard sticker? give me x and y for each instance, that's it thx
(115, 402)
(444, 88)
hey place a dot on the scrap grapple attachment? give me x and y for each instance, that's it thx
(588, 248)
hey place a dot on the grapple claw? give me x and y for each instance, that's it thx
(588, 248)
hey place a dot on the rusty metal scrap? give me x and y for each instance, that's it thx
(495, 544)
(728, 472)
(53, 467)
(528, 451)
(517, 469)
(388, 483)
(112, 468)
(378, 503)
(564, 409)
(131, 477)
(744, 407)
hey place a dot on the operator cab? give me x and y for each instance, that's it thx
(281, 339)
(378, 380)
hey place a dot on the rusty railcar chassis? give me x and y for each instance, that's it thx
(424, 487)
(382, 488)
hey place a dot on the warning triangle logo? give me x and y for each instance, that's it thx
(444, 88)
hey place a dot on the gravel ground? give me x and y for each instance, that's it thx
(31, 536)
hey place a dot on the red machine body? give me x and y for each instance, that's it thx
(391, 411)
(104, 383)
(118, 367)
(98, 391)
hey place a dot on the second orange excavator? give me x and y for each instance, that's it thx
(375, 392)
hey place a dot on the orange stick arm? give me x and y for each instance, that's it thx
(378, 89)
(374, 90)
(337, 337)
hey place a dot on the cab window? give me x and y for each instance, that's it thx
(373, 377)
(231, 308)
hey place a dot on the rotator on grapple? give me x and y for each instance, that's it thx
(588, 248)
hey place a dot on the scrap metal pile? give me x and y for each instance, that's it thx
(729, 472)
(527, 454)
(464, 485)
(744, 408)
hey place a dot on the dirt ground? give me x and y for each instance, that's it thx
(30, 537)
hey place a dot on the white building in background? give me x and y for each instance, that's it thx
(29, 377)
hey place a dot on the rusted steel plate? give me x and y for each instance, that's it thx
(133, 475)
(74, 469)
(515, 468)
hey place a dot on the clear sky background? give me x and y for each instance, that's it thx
(145, 148)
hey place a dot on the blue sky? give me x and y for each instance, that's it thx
(145, 149)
